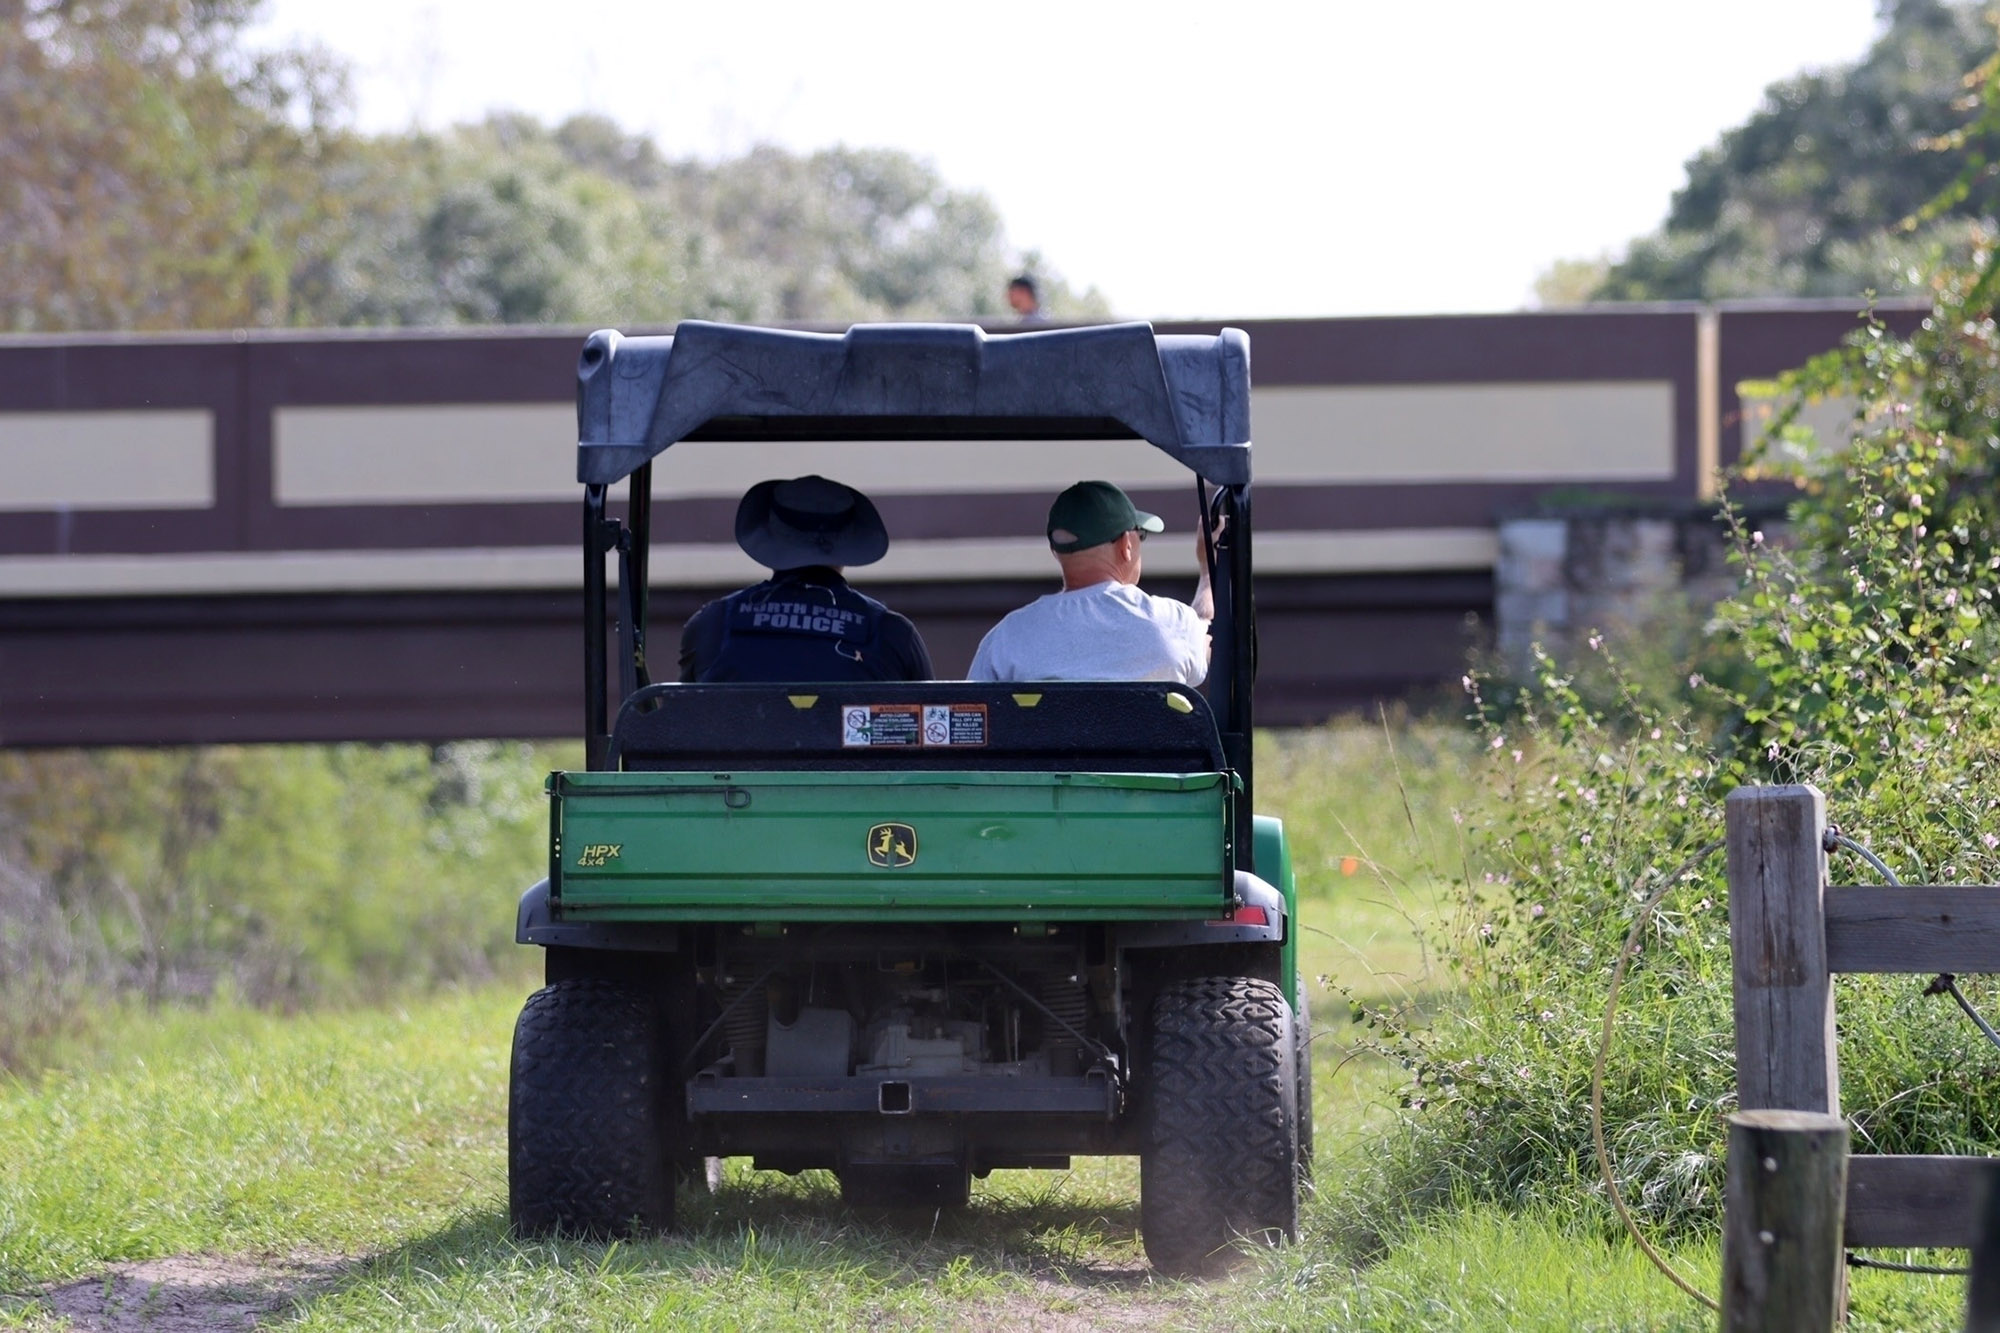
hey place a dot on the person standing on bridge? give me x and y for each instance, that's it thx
(1024, 298)
(1101, 626)
(804, 623)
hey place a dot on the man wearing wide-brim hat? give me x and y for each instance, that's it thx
(804, 623)
(1101, 626)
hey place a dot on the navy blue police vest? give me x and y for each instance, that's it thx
(790, 629)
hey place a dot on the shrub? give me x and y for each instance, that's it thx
(1859, 656)
(282, 875)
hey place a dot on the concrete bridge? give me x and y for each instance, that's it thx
(279, 536)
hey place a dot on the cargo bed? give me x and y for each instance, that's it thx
(934, 846)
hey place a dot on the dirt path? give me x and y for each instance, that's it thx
(189, 1293)
(208, 1294)
(1066, 1307)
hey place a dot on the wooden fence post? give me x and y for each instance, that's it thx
(1784, 1205)
(1982, 1287)
(1777, 939)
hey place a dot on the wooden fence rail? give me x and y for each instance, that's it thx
(1789, 932)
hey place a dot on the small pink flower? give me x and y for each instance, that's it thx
(1538, 911)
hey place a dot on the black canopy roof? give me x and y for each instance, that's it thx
(1189, 394)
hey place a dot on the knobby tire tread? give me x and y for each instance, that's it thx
(1303, 1103)
(587, 1123)
(1220, 1162)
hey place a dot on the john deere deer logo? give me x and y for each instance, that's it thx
(892, 846)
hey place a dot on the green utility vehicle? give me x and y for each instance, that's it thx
(912, 933)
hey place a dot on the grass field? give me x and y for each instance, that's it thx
(186, 1170)
(347, 1171)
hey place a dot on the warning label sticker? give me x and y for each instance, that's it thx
(896, 725)
(954, 724)
(881, 724)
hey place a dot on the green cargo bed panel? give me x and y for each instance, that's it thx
(842, 845)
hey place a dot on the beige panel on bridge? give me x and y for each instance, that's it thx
(469, 453)
(1580, 432)
(1831, 420)
(444, 453)
(107, 460)
(474, 453)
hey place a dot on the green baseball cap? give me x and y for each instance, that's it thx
(1092, 513)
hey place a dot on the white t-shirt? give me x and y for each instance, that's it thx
(1108, 631)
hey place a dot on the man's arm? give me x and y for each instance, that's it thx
(1203, 600)
(982, 661)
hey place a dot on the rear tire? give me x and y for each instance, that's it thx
(1220, 1159)
(587, 1119)
(1303, 1059)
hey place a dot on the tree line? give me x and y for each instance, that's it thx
(157, 171)
(1843, 181)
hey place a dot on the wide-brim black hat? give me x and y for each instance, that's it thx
(809, 521)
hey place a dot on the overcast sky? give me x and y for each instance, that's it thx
(1216, 159)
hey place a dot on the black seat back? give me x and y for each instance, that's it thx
(932, 726)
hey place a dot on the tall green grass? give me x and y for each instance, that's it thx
(230, 1130)
(1857, 657)
(374, 1137)
(283, 876)
(375, 1140)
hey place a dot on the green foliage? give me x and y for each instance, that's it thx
(493, 224)
(157, 174)
(282, 875)
(1858, 656)
(1579, 819)
(351, 1168)
(513, 222)
(153, 173)
(1872, 633)
(230, 1131)
(1803, 198)
(365, 1150)
(1364, 803)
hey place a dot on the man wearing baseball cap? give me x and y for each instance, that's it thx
(804, 623)
(1101, 626)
